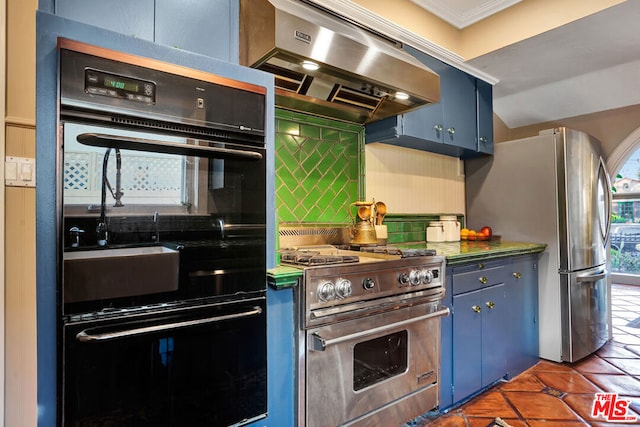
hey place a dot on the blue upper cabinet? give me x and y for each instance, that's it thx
(446, 121)
(207, 27)
(133, 18)
(447, 127)
(485, 116)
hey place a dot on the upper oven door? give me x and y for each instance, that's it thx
(202, 202)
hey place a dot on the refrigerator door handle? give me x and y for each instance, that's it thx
(592, 277)
(609, 201)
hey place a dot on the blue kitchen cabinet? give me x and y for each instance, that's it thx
(478, 339)
(467, 341)
(523, 342)
(446, 347)
(452, 121)
(448, 127)
(484, 98)
(495, 303)
(480, 307)
(492, 332)
(132, 18)
(207, 27)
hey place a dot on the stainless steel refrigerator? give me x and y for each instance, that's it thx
(553, 188)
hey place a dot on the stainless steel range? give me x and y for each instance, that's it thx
(369, 334)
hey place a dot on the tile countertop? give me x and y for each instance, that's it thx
(472, 251)
(455, 252)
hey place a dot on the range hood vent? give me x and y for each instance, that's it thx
(360, 76)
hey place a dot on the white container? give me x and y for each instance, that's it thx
(435, 231)
(381, 234)
(451, 228)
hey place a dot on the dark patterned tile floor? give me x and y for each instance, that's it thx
(561, 395)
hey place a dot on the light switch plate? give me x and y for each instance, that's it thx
(20, 171)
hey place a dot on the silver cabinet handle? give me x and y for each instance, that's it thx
(437, 127)
(484, 139)
(451, 130)
(140, 144)
(320, 344)
(87, 337)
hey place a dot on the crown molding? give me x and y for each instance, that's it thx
(461, 15)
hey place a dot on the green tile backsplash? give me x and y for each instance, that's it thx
(319, 168)
(320, 172)
(410, 227)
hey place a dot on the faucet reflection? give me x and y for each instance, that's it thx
(102, 231)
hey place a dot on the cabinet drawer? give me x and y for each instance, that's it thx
(478, 276)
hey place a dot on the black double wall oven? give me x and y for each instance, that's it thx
(162, 243)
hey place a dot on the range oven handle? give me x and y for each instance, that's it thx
(320, 344)
(140, 144)
(87, 337)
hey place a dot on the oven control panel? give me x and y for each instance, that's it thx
(358, 285)
(331, 289)
(417, 277)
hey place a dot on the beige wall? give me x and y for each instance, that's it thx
(610, 127)
(524, 20)
(20, 209)
(519, 22)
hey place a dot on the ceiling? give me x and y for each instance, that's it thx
(462, 13)
(587, 66)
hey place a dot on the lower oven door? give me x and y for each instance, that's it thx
(202, 365)
(377, 370)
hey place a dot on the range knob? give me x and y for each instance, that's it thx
(404, 279)
(415, 277)
(427, 276)
(343, 288)
(368, 283)
(326, 291)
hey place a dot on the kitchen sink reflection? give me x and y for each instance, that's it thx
(108, 273)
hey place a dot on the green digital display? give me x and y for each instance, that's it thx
(117, 86)
(122, 84)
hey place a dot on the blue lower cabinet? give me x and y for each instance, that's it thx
(446, 355)
(467, 345)
(523, 345)
(494, 303)
(492, 333)
(479, 347)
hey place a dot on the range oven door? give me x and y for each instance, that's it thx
(199, 365)
(356, 369)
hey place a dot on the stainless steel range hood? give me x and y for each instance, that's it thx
(361, 75)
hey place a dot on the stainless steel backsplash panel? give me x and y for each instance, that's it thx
(294, 235)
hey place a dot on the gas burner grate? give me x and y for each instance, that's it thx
(404, 253)
(311, 258)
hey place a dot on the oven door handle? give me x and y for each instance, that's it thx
(320, 344)
(140, 144)
(87, 337)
